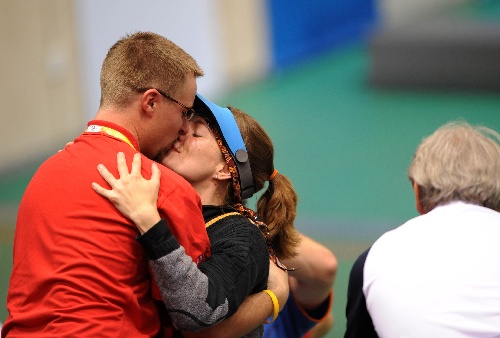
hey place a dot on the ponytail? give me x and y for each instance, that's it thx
(278, 207)
(278, 204)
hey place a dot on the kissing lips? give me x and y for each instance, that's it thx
(174, 145)
(164, 152)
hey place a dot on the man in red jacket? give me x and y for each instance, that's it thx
(78, 270)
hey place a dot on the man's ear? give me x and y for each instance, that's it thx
(149, 101)
(418, 202)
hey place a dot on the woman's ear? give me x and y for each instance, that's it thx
(418, 202)
(223, 173)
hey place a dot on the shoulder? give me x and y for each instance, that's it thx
(237, 231)
(172, 185)
(358, 265)
(400, 235)
(169, 178)
(235, 225)
(356, 277)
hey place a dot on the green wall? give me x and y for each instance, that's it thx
(344, 145)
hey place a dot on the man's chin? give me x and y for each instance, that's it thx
(161, 155)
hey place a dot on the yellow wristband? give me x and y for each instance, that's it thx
(276, 306)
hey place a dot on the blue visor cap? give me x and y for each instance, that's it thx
(232, 137)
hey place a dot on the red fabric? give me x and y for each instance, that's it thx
(78, 270)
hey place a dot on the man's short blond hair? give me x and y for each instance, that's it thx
(143, 60)
(458, 162)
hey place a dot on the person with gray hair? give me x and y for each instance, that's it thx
(438, 274)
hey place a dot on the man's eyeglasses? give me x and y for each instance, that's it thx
(189, 113)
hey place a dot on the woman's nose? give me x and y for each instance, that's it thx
(182, 136)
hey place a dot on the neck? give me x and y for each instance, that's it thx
(211, 193)
(120, 117)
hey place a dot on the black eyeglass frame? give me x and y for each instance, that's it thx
(189, 113)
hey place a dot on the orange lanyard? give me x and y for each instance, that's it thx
(110, 131)
(213, 220)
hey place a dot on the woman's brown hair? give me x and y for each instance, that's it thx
(278, 204)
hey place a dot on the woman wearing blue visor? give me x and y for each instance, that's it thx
(227, 157)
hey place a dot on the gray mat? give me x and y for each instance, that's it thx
(442, 53)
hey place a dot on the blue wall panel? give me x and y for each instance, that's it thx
(300, 29)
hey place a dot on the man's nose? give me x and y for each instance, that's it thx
(184, 128)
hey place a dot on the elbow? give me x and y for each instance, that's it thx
(329, 269)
